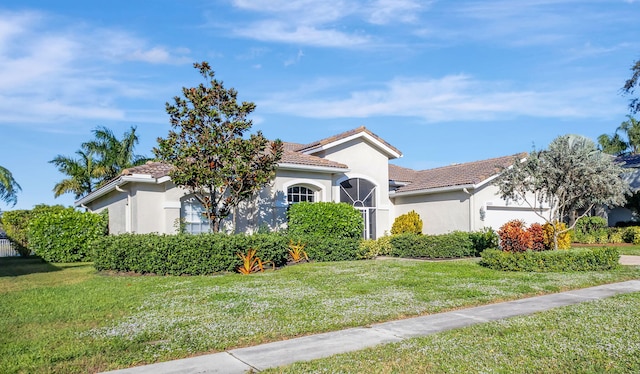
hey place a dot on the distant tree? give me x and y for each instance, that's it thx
(81, 173)
(630, 87)
(114, 155)
(572, 175)
(617, 145)
(8, 187)
(212, 157)
(98, 161)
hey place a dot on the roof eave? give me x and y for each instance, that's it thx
(315, 168)
(111, 186)
(429, 191)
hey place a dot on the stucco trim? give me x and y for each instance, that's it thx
(386, 150)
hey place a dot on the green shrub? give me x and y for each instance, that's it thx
(372, 248)
(407, 223)
(631, 234)
(579, 259)
(616, 235)
(335, 220)
(16, 225)
(453, 245)
(588, 225)
(65, 235)
(484, 239)
(326, 248)
(184, 254)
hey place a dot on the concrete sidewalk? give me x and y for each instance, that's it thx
(323, 345)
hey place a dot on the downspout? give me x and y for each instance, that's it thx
(127, 211)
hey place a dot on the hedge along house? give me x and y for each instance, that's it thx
(351, 167)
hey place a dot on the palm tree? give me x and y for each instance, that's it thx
(8, 187)
(114, 155)
(612, 144)
(631, 128)
(81, 173)
(616, 145)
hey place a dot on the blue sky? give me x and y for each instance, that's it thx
(443, 81)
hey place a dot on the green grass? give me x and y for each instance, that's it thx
(594, 337)
(625, 249)
(68, 318)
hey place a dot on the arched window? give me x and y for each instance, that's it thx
(296, 194)
(362, 195)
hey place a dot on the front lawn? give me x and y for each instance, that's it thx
(600, 336)
(68, 318)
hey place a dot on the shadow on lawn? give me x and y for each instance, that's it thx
(14, 266)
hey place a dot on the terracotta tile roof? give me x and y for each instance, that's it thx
(460, 174)
(155, 169)
(343, 135)
(291, 146)
(297, 158)
(401, 174)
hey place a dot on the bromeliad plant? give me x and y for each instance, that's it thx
(297, 252)
(252, 263)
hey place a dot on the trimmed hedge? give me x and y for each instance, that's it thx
(579, 259)
(452, 245)
(211, 253)
(184, 254)
(65, 235)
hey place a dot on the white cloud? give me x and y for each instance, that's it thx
(53, 74)
(284, 32)
(294, 60)
(382, 12)
(450, 98)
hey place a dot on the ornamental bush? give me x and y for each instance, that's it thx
(65, 235)
(564, 239)
(537, 233)
(453, 245)
(514, 237)
(407, 223)
(578, 259)
(337, 220)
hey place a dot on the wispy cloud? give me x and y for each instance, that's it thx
(53, 74)
(450, 98)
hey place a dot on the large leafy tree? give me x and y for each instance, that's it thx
(630, 86)
(97, 162)
(617, 144)
(571, 176)
(8, 187)
(213, 156)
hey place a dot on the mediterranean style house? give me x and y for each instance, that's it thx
(351, 167)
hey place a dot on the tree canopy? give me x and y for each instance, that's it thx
(630, 86)
(213, 156)
(8, 187)
(571, 176)
(96, 162)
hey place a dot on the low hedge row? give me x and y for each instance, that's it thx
(206, 253)
(579, 259)
(452, 245)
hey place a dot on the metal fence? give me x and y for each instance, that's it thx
(6, 249)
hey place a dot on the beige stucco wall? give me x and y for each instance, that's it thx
(116, 204)
(458, 210)
(367, 162)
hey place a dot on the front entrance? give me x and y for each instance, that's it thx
(361, 194)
